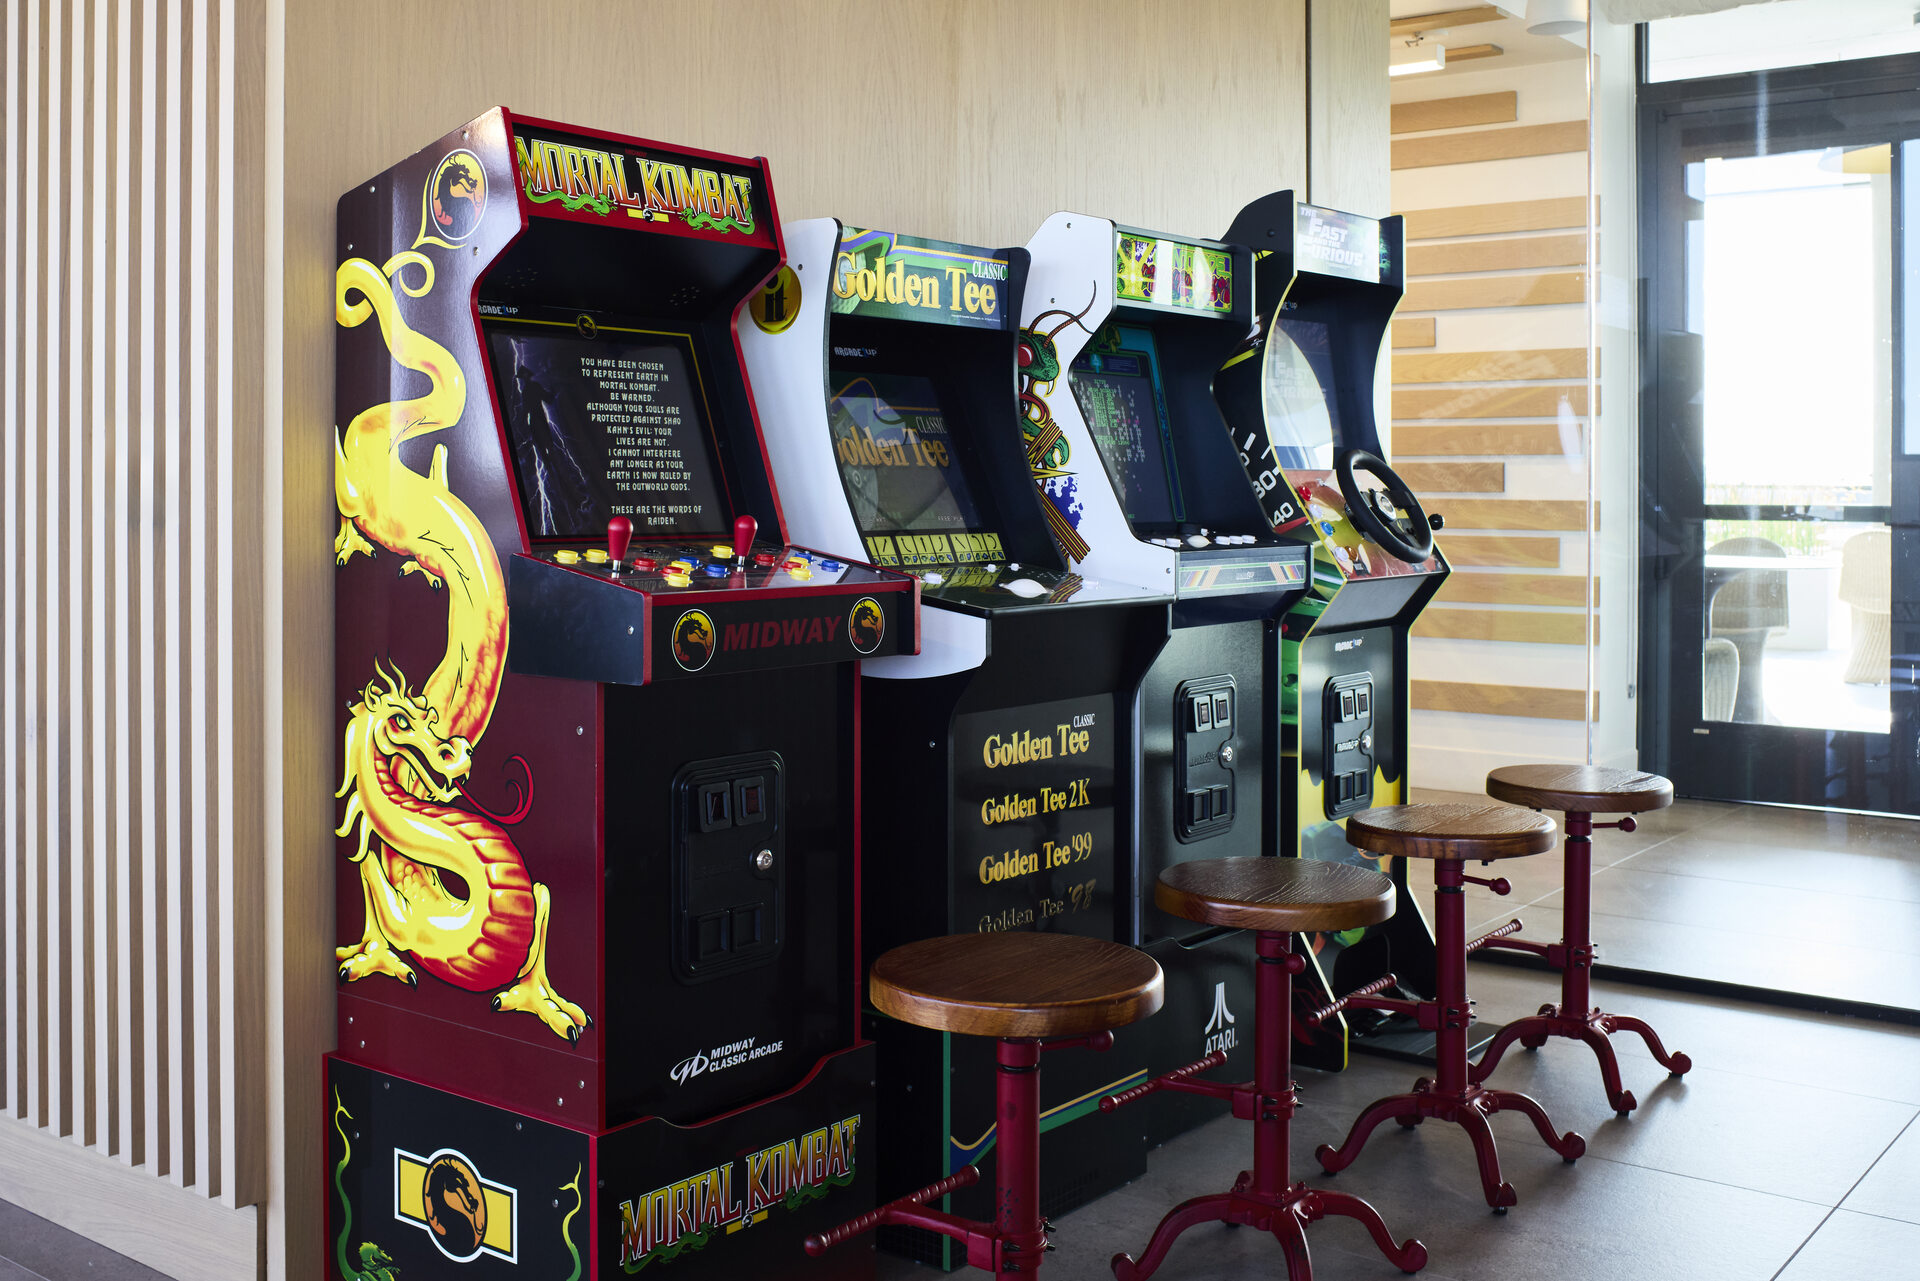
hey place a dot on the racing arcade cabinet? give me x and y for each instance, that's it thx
(1300, 400)
(1136, 324)
(598, 881)
(995, 786)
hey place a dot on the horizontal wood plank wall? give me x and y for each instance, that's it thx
(1456, 113)
(1474, 418)
(1490, 144)
(1500, 700)
(131, 508)
(1414, 331)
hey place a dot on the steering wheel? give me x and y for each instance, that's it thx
(1391, 516)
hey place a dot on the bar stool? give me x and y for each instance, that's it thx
(1580, 792)
(1018, 988)
(1449, 835)
(1276, 897)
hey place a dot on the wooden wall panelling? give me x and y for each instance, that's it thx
(1521, 253)
(1499, 551)
(1568, 515)
(1501, 700)
(1500, 400)
(1531, 627)
(1416, 440)
(1491, 366)
(1413, 331)
(1545, 289)
(1490, 144)
(1454, 478)
(1348, 114)
(1503, 216)
(1515, 589)
(1456, 113)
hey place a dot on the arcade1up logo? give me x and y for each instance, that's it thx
(589, 177)
(1332, 243)
(689, 1213)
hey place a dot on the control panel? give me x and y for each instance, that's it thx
(1349, 753)
(729, 865)
(1204, 717)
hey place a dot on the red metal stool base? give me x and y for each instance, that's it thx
(1262, 1197)
(1573, 956)
(1469, 1109)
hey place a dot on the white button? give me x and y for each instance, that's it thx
(932, 579)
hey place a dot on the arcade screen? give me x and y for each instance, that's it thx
(1120, 399)
(1294, 395)
(896, 456)
(612, 425)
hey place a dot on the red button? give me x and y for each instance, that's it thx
(764, 559)
(646, 565)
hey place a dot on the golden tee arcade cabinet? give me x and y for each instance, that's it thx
(598, 817)
(1299, 397)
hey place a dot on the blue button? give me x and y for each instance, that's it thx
(799, 554)
(830, 565)
(717, 571)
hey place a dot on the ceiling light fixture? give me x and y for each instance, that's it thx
(1556, 17)
(1411, 57)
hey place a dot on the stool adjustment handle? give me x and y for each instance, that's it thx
(1095, 1041)
(1173, 1080)
(1626, 824)
(1359, 994)
(962, 1178)
(1498, 884)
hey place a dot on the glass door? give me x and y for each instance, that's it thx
(1777, 563)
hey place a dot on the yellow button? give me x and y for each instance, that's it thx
(722, 551)
(801, 570)
(567, 556)
(598, 555)
(679, 567)
(678, 580)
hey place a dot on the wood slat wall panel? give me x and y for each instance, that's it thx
(1415, 440)
(1495, 401)
(1503, 216)
(1491, 144)
(1515, 513)
(134, 663)
(1525, 626)
(1415, 331)
(1492, 366)
(1515, 589)
(1545, 289)
(1520, 253)
(1456, 113)
(1501, 700)
(1454, 478)
(1496, 550)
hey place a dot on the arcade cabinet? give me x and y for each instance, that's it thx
(1123, 332)
(997, 791)
(599, 825)
(1299, 397)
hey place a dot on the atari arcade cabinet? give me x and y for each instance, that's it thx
(1123, 333)
(995, 759)
(598, 861)
(1300, 400)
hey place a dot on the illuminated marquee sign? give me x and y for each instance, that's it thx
(594, 179)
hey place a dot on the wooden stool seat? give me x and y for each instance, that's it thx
(1278, 895)
(1589, 789)
(1448, 832)
(1016, 984)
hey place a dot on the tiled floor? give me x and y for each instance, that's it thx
(32, 1249)
(1791, 1151)
(1804, 901)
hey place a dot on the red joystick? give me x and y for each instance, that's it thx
(619, 534)
(743, 531)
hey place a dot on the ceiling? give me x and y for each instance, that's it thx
(1518, 48)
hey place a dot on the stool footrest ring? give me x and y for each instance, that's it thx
(1325, 1012)
(1174, 1080)
(962, 1178)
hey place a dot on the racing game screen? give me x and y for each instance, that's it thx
(1294, 395)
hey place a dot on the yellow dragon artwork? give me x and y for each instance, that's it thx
(408, 753)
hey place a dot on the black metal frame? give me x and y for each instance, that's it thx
(1767, 111)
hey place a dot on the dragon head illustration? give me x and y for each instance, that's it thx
(403, 726)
